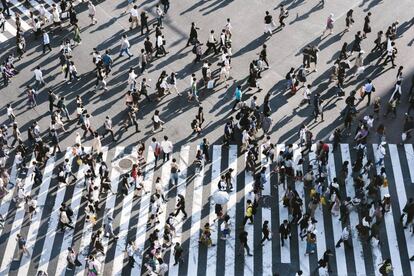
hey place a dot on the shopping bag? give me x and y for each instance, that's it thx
(210, 84)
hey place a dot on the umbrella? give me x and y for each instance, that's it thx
(221, 197)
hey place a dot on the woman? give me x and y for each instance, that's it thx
(72, 259)
(92, 12)
(310, 243)
(157, 122)
(226, 228)
(329, 25)
(359, 64)
(206, 236)
(367, 27)
(349, 20)
(76, 34)
(31, 206)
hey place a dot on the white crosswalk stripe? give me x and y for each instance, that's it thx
(397, 165)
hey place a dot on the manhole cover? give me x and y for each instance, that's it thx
(125, 164)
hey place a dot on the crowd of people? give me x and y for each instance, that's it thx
(250, 127)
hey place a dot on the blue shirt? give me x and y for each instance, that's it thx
(238, 94)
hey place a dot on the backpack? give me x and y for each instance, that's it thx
(194, 50)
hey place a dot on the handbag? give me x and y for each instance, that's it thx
(210, 84)
(130, 19)
(362, 92)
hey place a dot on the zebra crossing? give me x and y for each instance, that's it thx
(23, 10)
(47, 246)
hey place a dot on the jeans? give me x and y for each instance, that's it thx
(174, 178)
(126, 50)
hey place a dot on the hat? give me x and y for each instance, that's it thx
(387, 195)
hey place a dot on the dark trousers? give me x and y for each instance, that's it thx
(209, 47)
(182, 209)
(265, 237)
(46, 46)
(109, 131)
(389, 57)
(165, 156)
(369, 97)
(283, 237)
(63, 225)
(144, 26)
(131, 261)
(177, 258)
(346, 242)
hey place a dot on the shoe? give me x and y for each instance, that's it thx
(249, 255)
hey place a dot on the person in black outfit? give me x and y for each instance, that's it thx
(265, 232)
(144, 22)
(6, 8)
(180, 206)
(263, 55)
(193, 34)
(284, 230)
(324, 262)
(367, 27)
(243, 242)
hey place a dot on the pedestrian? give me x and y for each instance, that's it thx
(72, 259)
(46, 42)
(92, 12)
(249, 212)
(21, 243)
(367, 26)
(345, 236)
(244, 243)
(329, 25)
(158, 124)
(144, 22)
(125, 47)
(38, 78)
(160, 15)
(317, 107)
(349, 20)
(178, 252)
(133, 17)
(64, 220)
(265, 232)
(285, 231)
(284, 13)
(380, 154)
(76, 34)
(193, 38)
(180, 206)
(324, 261)
(386, 267)
(211, 44)
(310, 243)
(237, 96)
(108, 128)
(367, 90)
(268, 21)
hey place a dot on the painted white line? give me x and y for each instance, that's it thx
(74, 205)
(181, 189)
(402, 198)
(231, 211)
(195, 222)
(25, 11)
(111, 200)
(53, 221)
(215, 178)
(88, 226)
(409, 153)
(143, 215)
(267, 253)
(353, 216)
(248, 194)
(17, 224)
(283, 214)
(34, 226)
(123, 228)
(389, 225)
(303, 259)
(320, 226)
(336, 223)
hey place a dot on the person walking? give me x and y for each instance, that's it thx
(317, 107)
(367, 25)
(381, 154)
(167, 148)
(329, 25)
(38, 78)
(108, 128)
(21, 243)
(244, 243)
(144, 22)
(178, 252)
(249, 212)
(324, 261)
(285, 231)
(72, 259)
(386, 267)
(180, 207)
(193, 38)
(268, 21)
(125, 45)
(64, 220)
(345, 237)
(237, 96)
(46, 42)
(133, 17)
(367, 89)
(265, 232)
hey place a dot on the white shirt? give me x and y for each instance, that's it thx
(38, 74)
(211, 38)
(133, 12)
(306, 94)
(381, 151)
(166, 146)
(131, 77)
(46, 39)
(9, 111)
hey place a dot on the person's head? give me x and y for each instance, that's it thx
(267, 12)
(165, 137)
(174, 160)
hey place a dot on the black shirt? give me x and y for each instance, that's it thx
(268, 19)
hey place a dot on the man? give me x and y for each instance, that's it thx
(178, 251)
(143, 60)
(51, 98)
(160, 16)
(345, 237)
(167, 148)
(64, 220)
(61, 104)
(391, 53)
(237, 96)
(317, 105)
(46, 42)
(268, 20)
(55, 141)
(380, 154)
(180, 206)
(324, 262)
(133, 13)
(368, 88)
(263, 56)
(131, 117)
(144, 22)
(243, 242)
(125, 47)
(107, 62)
(38, 77)
(265, 232)
(193, 34)
(108, 228)
(166, 4)
(211, 44)
(108, 128)
(174, 172)
(284, 230)
(6, 8)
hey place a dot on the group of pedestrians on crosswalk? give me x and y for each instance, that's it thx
(300, 209)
